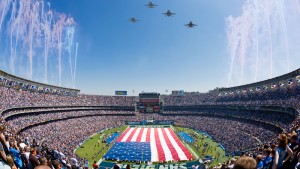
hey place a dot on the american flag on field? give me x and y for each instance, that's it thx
(148, 144)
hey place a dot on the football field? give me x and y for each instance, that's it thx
(155, 144)
(93, 151)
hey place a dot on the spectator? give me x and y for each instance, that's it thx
(232, 162)
(2, 157)
(95, 165)
(283, 152)
(245, 163)
(74, 167)
(26, 155)
(2, 138)
(43, 161)
(116, 166)
(56, 164)
(259, 162)
(42, 167)
(294, 147)
(10, 162)
(33, 161)
(14, 150)
(267, 160)
(298, 161)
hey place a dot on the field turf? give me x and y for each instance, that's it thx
(90, 149)
(92, 152)
(215, 151)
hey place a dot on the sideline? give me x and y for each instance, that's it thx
(99, 161)
(190, 149)
(101, 135)
(193, 152)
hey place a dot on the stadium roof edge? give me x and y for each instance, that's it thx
(264, 82)
(5, 74)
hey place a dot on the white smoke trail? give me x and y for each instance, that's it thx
(233, 44)
(271, 43)
(75, 65)
(284, 29)
(12, 54)
(263, 41)
(4, 6)
(298, 5)
(257, 41)
(33, 32)
(59, 50)
(69, 39)
(245, 35)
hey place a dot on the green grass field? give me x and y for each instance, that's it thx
(215, 151)
(91, 151)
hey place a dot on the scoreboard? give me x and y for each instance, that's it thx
(121, 93)
(149, 102)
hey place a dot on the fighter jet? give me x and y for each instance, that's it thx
(133, 20)
(169, 13)
(151, 5)
(190, 25)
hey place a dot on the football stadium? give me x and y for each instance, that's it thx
(65, 106)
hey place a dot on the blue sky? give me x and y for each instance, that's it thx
(156, 54)
(235, 43)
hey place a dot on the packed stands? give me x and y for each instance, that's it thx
(247, 118)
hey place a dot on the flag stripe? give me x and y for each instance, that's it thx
(139, 137)
(134, 137)
(164, 144)
(154, 155)
(127, 134)
(143, 139)
(171, 146)
(181, 154)
(131, 135)
(186, 152)
(123, 134)
(167, 152)
(161, 153)
(148, 135)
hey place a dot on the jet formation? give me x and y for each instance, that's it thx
(190, 25)
(168, 13)
(151, 5)
(133, 20)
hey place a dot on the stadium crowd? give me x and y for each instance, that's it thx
(24, 121)
(17, 98)
(64, 136)
(285, 97)
(279, 118)
(53, 143)
(281, 153)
